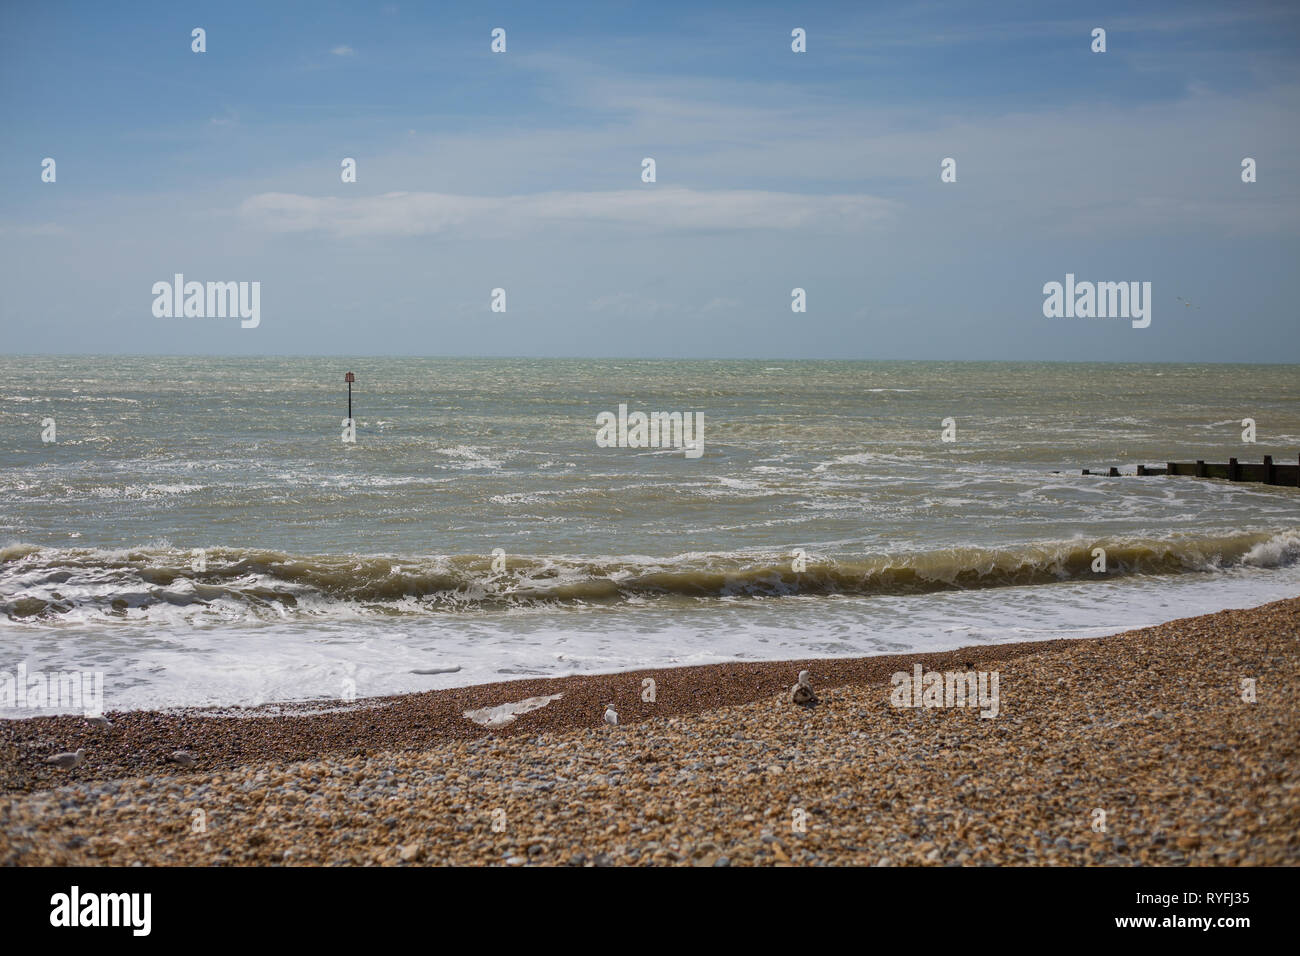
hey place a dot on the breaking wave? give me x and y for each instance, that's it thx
(47, 585)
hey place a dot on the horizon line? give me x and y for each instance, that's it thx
(623, 358)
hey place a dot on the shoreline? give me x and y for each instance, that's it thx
(140, 740)
(1149, 726)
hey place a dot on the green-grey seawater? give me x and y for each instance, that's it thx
(199, 530)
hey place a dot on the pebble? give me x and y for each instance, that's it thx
(1211, 780)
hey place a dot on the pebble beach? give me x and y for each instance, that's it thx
(1169, 745)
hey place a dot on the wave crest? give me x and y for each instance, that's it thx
(47, 585)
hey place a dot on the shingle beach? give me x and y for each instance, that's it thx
(1133, 749)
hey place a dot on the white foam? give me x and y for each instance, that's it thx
(1281, 549)
(503, 714)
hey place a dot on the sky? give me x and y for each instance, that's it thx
(775, 170)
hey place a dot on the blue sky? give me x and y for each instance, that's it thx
(775, 170)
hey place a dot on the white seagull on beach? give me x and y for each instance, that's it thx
(182, 757)
(67, 761)
(99, 720)
(611, 715)
(802, 692)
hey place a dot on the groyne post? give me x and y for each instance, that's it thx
(1266, 472)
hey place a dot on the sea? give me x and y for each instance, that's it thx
(198, 531)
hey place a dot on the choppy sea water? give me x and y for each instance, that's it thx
(476, 524)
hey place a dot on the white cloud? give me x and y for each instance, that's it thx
(343, 51)
(652, 208)
(1085, 169)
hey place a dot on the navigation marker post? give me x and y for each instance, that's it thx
(349, 378)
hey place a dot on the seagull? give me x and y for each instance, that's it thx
(182, 757)
(611, 715)
(99, 720)
(802, 692)
(67, 761)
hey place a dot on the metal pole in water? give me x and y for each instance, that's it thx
(349, 378)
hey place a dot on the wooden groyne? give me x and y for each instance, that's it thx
(1267, 472)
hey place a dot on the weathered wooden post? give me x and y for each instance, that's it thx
(1200, 468)
(1270, 473)
(1234, 472)
(1113, 473)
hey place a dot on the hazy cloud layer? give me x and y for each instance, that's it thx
(659, 208)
